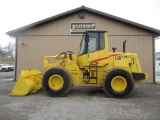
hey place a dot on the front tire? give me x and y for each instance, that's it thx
(3, 70)
(117, 83)
(56, 82)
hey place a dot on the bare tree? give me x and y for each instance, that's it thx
(1, 51)
(10, 48)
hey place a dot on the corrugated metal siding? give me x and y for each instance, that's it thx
(61, 27)
(31, 55)
(54, 37)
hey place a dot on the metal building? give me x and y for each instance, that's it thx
(63, 32)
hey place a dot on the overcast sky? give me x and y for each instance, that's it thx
(18, 13)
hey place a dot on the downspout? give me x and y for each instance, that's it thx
(15, 73)
(15, 61)
(153, 38)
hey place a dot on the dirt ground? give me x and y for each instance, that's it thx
(82, 103)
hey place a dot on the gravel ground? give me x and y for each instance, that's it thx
(82, 103)
(6, 75)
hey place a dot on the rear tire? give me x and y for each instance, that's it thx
(57, 82)
(117, 83)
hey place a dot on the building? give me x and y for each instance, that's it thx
(63, 32)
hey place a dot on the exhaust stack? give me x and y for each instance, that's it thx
(124, 46)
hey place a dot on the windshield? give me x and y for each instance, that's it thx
(95, 43)
(1, 65)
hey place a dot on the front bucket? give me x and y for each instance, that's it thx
(28, 82)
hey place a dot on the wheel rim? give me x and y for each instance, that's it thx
(56, 82)
(118, 84)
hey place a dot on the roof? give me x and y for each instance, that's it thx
(83, 9)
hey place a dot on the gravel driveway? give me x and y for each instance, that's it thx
(6, 75)
(82, 103)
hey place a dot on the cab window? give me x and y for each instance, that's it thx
(93, 42)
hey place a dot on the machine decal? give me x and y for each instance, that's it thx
(117, 57)
(104, 58)
(126, 56)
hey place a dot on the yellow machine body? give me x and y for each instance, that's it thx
(28, 82)
(127, 61)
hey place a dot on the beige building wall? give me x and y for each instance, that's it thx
(54, 38)
(31, 55)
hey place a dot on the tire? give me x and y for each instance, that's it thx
(57, 82)
(117, 83)
(3, 70)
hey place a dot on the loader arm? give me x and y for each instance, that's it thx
(47, 61)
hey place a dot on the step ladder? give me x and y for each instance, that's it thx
(93, 75)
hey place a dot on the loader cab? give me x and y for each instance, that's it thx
(91, 41)
(94, 45)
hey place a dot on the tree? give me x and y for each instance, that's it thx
(1, 51)
(9, 49)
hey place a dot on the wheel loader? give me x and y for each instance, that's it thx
(114, 71)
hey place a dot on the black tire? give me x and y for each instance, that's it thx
(67, 82)
(3, 70)
(118, 75)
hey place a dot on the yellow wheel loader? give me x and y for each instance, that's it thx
(114, 71)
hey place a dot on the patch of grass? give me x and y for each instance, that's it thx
(7, 61)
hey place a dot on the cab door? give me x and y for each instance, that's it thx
(92, 48)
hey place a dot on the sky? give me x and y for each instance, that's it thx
(17, 13)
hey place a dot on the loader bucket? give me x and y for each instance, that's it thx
(28, 82)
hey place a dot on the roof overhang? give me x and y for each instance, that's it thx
(83, 9)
